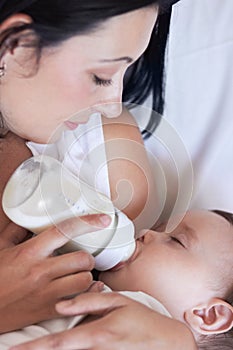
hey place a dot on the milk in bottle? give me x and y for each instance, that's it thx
(42, 193)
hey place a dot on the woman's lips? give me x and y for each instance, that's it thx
(71, 125)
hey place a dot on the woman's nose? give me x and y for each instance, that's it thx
(110, 103)
(110, 109)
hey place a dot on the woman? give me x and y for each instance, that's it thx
(56, 59)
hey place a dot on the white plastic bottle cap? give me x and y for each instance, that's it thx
(121, 246)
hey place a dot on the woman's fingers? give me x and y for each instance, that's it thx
(94, 335)
(96, 287)
(55, 237)
(67, 340)
(91, 303)
(71, 263)
(133, 327)
(77, 226)
(71, 284)
(75, 284)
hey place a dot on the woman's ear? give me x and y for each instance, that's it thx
(9, 44)
(14, 21)
(212, 318)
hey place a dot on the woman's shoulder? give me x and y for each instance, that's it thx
(131, 180)
(124, 127)
(13, 152)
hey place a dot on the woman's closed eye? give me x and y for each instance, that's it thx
(102, 82)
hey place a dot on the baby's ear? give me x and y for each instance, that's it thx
(214, 317)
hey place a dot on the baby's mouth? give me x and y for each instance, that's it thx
(122, 264)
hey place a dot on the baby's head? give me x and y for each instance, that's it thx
(189, 270)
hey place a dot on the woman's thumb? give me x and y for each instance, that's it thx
(74, 227)
(56, 236)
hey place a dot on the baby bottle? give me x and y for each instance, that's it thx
(42, 192)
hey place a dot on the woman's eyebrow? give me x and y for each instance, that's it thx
(125, 58)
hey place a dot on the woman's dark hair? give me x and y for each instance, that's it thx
(57, 20)
(147, 74)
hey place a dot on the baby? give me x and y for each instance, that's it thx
(186, 274)
(189, 271)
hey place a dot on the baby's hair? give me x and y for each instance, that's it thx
(226, 215)
(223, 341)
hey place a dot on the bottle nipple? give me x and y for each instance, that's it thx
(120, 248)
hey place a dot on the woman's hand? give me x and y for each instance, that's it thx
(125, 324)
(33, 279)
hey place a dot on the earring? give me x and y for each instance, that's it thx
(3, 128)
(2, 70)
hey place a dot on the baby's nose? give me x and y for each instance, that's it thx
(146, 236)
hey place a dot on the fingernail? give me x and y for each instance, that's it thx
(105, 219)
(100, 286)
(65, 304)
(96, 286)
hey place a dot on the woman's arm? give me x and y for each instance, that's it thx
(133, 187)
(125, 324)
